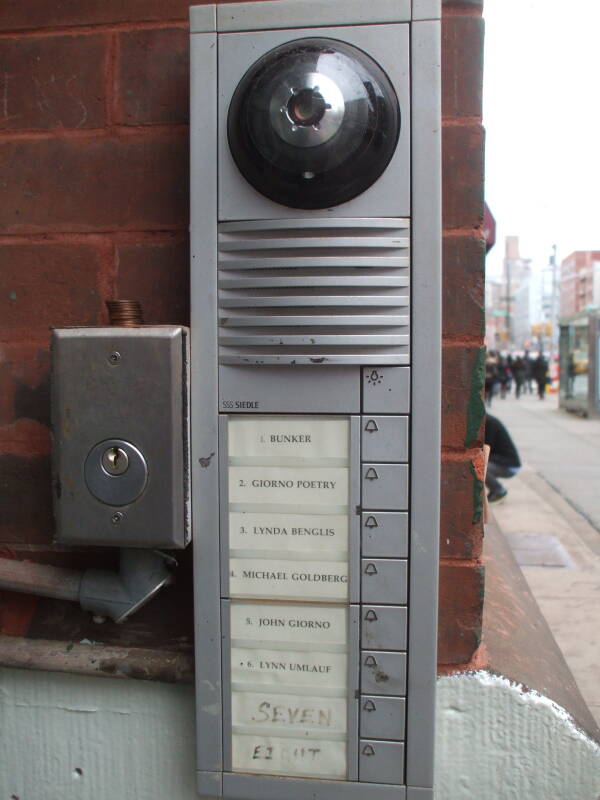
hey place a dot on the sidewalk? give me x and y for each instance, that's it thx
(563, 448)
(551, 518)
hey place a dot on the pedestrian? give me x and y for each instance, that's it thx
(540, 374)
(491, 380)
(504, 376)
(528, 362)
(518, 371)
(503, 461)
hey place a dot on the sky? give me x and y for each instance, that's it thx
(541, 111)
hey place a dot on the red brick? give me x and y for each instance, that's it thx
(462, 66)
(45, 285)
(25, 437)
(461, 527)
(25, 383)
(462, 176)
(52, 82)
(460, 612)
(156, 274)
(463, 288)
(16, 613)
(25, 499)
(465, 5)
(153, 77)
(88, 184)
(463, 410)
(42, 14)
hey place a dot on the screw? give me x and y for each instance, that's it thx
(114, 357)
(117, 517)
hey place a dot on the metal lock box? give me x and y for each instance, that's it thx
(120, 430)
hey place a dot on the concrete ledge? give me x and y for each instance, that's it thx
(519, 643)
(518, 728)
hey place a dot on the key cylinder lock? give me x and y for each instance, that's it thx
(116, 472)
(115, 460)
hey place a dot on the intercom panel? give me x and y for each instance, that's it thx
(315, 276)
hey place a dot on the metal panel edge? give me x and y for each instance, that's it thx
(209, 784)
(224, 502)
(418, 793)
(204, 433)
(353, 689)
(249, 787)
(426, 380)
(203, 19)
(308, 14)
(426, 9)
(226, 683)
(354, 516)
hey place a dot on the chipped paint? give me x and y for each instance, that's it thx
(497, 739)
(475, 405)
(478, 487)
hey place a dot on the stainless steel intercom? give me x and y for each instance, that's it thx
(315, 288)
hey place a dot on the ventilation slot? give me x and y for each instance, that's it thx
(325, 291)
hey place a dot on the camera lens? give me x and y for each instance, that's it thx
(306, 107)
(313, 123)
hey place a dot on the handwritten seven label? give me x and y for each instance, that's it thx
(288, 712)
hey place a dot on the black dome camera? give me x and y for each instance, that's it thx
(313, 123)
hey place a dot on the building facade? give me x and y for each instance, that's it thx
(580, 282)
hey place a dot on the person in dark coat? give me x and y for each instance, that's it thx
(503, 462)
(540, 374)
(528, 362)
(518, 371)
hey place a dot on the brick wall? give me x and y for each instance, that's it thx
(94, 204)
(463, 326)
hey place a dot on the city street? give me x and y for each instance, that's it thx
(551, 517)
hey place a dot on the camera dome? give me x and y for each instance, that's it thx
(313, 123)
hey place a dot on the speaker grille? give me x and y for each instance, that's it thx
(316, 291)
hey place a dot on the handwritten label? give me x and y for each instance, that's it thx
(288, 712)
(289, 622)
(314, 486)
(288, 437)
(296, 757)
(289, 668)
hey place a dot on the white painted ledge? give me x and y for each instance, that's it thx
(85, 738)
(496, 740)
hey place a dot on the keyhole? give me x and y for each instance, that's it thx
(115, 461)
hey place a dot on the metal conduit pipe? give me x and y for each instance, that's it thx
(41, 579)
(142, 573)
